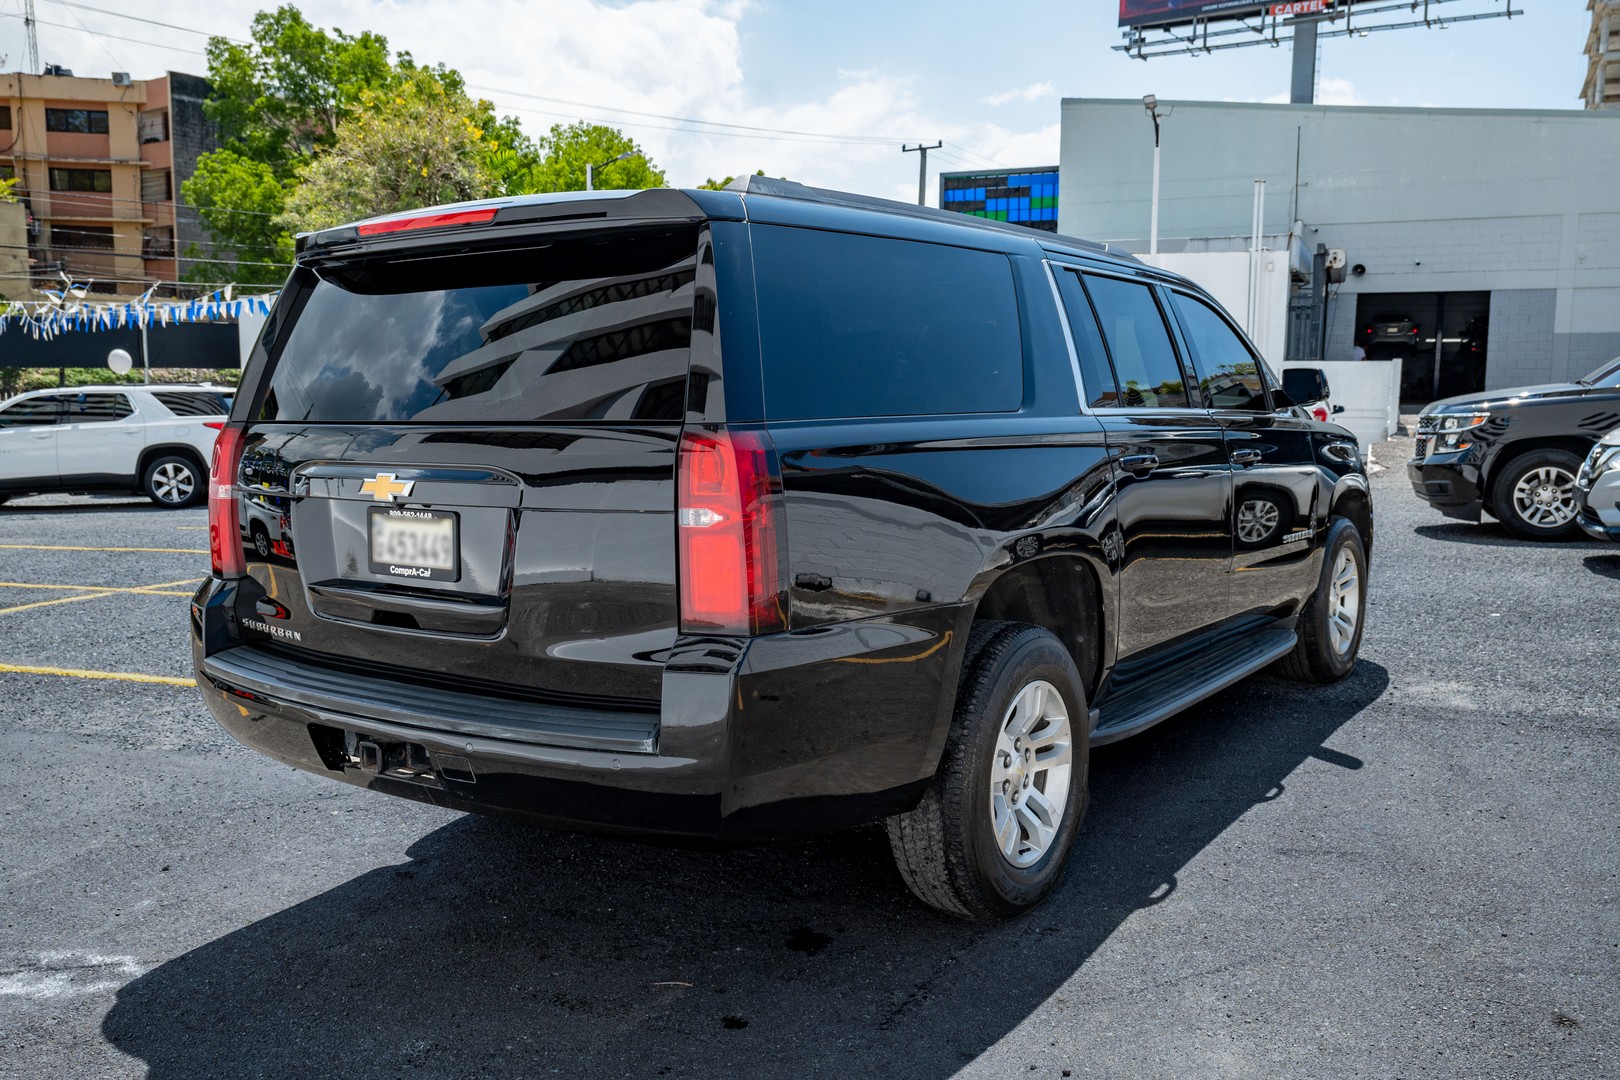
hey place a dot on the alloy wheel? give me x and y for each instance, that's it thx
(1344, 601)
(173, 482)
(1030, 773)
(1545, 497)
(1257, 519)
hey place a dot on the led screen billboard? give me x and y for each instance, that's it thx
(1168, 12)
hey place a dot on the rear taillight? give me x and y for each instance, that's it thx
(728, 521)
(224, 525)
(217, 425)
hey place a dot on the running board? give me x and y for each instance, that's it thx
(1171, 691)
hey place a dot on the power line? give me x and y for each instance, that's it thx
(96, 33)
(151, 22)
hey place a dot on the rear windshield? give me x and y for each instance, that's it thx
(581, 329)
(862, 326)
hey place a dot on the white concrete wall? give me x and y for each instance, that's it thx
(1226, 275)
(1370, 392)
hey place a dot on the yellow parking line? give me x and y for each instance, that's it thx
(76, 673)
(154, 589)
(55, 547)
(96, 592)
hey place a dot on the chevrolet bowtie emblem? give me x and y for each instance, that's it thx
(384, 488)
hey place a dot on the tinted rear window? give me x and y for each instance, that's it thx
(861, 326)
(580, 329)
(193, 403)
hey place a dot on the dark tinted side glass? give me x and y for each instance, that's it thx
(97, 408)
(193, 403)
(587, 329)
(1227, 370)
(34, 412)
(1139, 344)
(861, 326)
(1095, 371)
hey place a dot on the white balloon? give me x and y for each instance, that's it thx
(120, 361)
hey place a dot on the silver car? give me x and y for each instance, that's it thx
(1597, 489)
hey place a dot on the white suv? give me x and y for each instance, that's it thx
(151, 439)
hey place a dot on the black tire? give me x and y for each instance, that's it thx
(261, 539)
(1507, 508)
(1317, 658)
(946, 848)
(175, 481)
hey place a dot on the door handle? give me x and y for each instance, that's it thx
(1139, 464)
(43, 434)
(1246, 455)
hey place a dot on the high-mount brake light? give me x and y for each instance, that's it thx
(728, 523)
(427, 221)
(224, 522)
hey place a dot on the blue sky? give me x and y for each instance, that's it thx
(986, 78)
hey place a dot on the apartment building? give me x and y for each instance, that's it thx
(99, 164)
(1602, 87)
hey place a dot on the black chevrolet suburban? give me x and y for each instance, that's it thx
(752, 513)
(1515, 453)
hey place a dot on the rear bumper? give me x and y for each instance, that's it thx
(773, 737)
(1451, 487)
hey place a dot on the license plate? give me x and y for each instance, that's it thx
(419, 545)
(1392, 329)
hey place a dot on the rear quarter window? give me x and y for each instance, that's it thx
(192, 403)
(863, 326)
(588, 329)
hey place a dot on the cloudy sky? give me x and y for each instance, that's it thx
(827, 92)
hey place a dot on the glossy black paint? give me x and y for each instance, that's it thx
(1565, 416)
(896, 530)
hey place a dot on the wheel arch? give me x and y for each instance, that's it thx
(1353, 501)
(1505, 455)
(161, 450)
(1033, 591)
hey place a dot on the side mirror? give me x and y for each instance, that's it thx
(1337, 409)
(1305, 384)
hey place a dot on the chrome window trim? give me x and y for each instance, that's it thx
(1068, 338)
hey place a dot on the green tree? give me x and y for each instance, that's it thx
(567, 149)
(6, 194)
(415, 144)
(279, 99)
(240, 201)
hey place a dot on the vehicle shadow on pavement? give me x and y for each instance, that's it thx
(504, 950)
(1604, 565)
(1491, 534)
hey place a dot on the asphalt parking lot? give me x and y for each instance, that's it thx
(1415, 872)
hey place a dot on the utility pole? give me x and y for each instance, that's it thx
(922, 169)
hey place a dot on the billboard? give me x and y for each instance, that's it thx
(1168, 12)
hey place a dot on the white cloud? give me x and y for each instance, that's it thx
(1328, 92)
(1032, 92)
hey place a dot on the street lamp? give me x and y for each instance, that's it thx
(1151, 104)
(590, 170)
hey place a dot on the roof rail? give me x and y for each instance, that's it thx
(789, 189)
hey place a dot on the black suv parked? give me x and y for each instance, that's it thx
(1514, 453)
(758, 512)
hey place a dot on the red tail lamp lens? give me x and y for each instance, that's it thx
(427, 221)
(729, 534)
(224, 525)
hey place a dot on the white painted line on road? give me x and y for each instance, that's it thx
(58, 547)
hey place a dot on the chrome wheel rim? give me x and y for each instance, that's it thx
(1344, 601)
(1029, 774)
(1256, 520)
(173, 483)
(1545, 497)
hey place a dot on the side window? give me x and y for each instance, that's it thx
(97, 408)
(863, 326)
(191, 403)
(34, 412)
(1226, 368)
(1139, 343)
(1095, 371)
